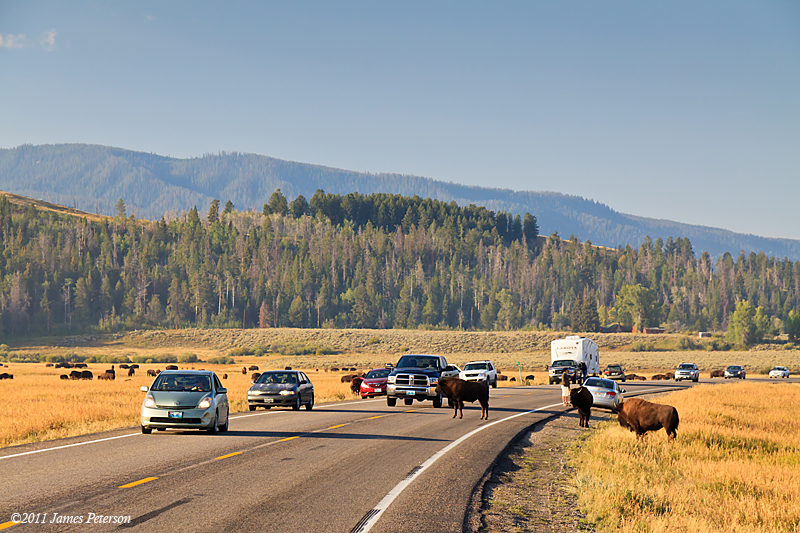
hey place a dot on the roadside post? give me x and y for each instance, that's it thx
(519, 366)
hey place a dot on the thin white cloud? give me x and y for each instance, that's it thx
(12, 41)
(149, 18)
(48, 40)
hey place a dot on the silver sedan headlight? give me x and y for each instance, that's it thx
(288, 393)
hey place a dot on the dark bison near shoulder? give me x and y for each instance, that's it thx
(717, 374)
(641, 416)
(255, 376)
(582, 400)
(224, 376)
(355, 385)
(459, 391)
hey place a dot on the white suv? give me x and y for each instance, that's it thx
(687, 371)
(480, 371)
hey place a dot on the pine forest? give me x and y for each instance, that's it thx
(367, 261)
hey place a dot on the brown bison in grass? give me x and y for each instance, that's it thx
(75, 374)
(151, 373)
(254, 376)
(131, 371)
(5, 375)
(641, 416)
(86, 374)
(107, 375)
(224, 376)
(252, 367)
(459, 391)
(669, 375)
(658, 377)
(64, 376)
(355, 385)
(717, 374)
(172, 367)
(582, 400)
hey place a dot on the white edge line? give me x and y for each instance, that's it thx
(134, 434)
(68, 446)
(400, 487)
(395, 492)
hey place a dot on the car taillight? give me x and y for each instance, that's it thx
(611, 394)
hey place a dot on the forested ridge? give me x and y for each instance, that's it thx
(364, 261)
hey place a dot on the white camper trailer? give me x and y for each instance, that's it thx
(576, 349)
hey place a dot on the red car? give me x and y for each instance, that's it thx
(374, 383)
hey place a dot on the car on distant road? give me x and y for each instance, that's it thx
(779, 372)
(185, 399)
(374, 383)
(281, 388)
(687, 371)
(614, 372)
(606, 393)
(734, 371)
(480, 371)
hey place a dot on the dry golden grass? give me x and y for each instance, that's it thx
(66, 408)
(734, 467)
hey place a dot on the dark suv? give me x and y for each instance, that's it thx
(415, 378)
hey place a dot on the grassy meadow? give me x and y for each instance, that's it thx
(734, 467)
(39, 406)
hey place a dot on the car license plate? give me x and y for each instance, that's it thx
(379, 389)
(410, 393)
(175, 414)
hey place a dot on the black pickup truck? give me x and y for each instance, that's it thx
(415, 378)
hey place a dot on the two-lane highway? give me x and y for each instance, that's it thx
(353, 466)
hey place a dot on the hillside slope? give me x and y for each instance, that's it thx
(93, 178)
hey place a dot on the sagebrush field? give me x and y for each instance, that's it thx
(39, 406)
(734, 467)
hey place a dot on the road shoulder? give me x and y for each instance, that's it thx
(528, 488)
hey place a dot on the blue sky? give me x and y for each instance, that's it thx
(682, 110)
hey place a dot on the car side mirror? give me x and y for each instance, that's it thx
(449, 368)
(223, 390)
(622, 390)
(143, 388)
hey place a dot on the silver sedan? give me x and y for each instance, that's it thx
(185, 399)
(606, 393)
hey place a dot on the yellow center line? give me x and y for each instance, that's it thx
(229, 455)
(337, 426)
(374, 417)
(509, 396)
(4, 525)
(145, 480)
(527, 393)
(289, 438)
(410, 411)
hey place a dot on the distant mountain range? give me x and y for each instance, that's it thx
(93, 178)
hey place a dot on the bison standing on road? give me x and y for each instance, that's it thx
(582, 400)
(355, 385)
(641, 416)
(717, 374)
(459, 391)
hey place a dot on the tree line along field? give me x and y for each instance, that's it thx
(379, 262)
(67, 408)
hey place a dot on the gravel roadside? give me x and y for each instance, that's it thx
(528, 489)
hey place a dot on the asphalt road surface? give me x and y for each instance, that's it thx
(354, 466)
